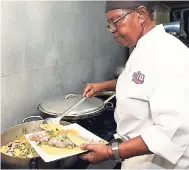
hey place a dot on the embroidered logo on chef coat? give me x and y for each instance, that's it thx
(138, 77)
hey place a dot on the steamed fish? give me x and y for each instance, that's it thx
(59, 140)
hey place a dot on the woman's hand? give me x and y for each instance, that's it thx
(92, 88)
(97, 152)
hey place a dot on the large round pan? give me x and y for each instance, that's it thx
(92, 107)
(17, 131)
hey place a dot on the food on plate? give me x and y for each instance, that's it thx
(68, 131)
(51, 127)
(57, 128)
(59, 151)
(58, 142)
(20, 148)
(54, 139)
(77, 140)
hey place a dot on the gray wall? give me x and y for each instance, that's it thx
(48, 49)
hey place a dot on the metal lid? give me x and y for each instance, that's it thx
(60, 104)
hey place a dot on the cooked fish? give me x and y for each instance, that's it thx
(40, 137)
(61, 143)
(53, 139)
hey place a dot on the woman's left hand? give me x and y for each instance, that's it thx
(97, 152)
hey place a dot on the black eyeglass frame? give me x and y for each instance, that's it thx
(117, 20)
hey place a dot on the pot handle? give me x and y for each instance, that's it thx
(33, 118)
(70, 96)
(109, 98)
(109, 105)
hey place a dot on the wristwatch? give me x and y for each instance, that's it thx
(115, 151)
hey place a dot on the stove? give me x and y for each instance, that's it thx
(102, 125)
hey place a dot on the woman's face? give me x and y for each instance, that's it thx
(128, 28)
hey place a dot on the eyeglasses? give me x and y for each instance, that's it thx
(112, 26)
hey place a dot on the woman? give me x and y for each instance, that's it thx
(152, 93)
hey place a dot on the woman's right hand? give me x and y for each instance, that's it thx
(92, 88)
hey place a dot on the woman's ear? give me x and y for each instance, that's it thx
(142, 14)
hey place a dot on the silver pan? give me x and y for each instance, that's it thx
(17, 131)
(91, 108)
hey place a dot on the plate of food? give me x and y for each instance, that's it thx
(57, 141)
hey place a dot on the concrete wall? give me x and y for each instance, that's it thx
(48, 49)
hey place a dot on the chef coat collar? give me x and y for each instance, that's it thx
(152, 34)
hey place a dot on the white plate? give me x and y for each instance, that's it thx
(49, 157)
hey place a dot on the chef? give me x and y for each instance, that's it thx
(152, 111)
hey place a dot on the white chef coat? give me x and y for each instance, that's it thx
(153, 101)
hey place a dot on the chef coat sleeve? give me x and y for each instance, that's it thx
(168, 137)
